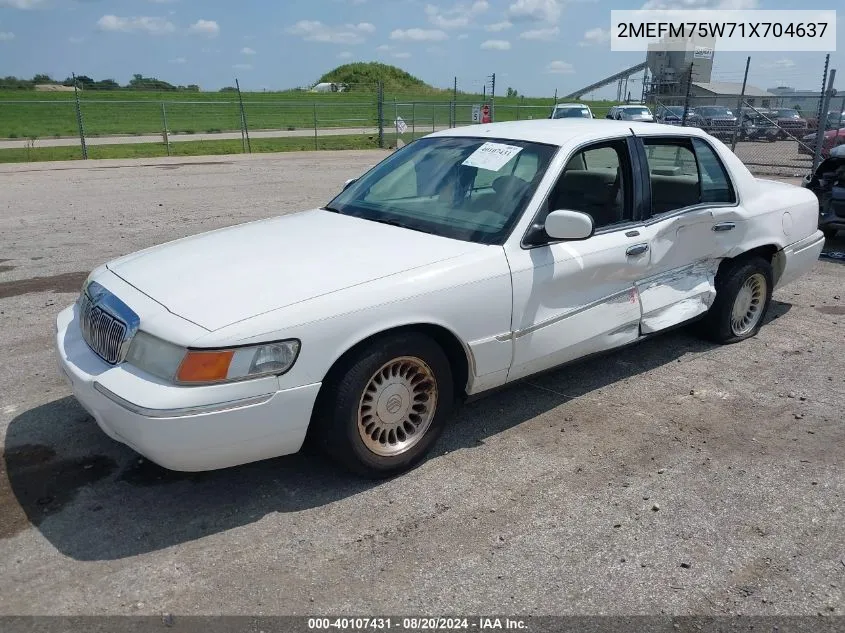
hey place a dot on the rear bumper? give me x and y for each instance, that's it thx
(799, 258)
(193, 433)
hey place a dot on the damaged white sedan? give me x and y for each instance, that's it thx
(466, 260)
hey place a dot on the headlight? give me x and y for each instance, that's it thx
(208, 366)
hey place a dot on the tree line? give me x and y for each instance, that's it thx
(138, 82)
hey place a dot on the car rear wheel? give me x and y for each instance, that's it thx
(383, 409)
(830, 233)
(743, 294)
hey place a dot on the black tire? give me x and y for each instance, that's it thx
(716, 325)
(830, 233)
(335, 428)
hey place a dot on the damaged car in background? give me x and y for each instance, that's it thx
(828, 183)
(465, 261)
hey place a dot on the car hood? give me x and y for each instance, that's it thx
(218, 278)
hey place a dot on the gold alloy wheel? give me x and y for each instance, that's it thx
(748, 305)
(397, 406)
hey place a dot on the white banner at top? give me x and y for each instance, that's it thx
(753, 30)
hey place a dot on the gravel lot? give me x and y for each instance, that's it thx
(673, 477)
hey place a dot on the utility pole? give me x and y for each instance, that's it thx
(454, 111)
(686, 97)
(820, 133)
(493, 97)
(79, 121)
(244, 125)
(739, 104)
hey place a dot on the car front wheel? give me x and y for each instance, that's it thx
(383, 409)
(743, 295)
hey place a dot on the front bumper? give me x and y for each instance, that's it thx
(184, 428)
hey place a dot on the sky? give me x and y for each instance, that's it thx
(533, 46)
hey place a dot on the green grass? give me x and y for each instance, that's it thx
(30, 114)
(191, 148)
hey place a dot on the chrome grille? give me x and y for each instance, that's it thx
(103, 332)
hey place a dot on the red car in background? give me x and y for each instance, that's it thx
(832, 138)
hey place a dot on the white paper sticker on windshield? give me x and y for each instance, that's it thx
(492, 156)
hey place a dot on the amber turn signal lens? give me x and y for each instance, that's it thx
(204, 366)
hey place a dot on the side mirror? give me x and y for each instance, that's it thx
(348, 183)
(568, 225)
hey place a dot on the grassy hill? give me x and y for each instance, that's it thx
(364, 76)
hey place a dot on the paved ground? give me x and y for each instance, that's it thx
(674, 477)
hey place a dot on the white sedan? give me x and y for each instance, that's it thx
(467, 260)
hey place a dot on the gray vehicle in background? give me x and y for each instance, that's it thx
(572, 111)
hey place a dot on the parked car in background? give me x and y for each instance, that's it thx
(832, 138)
(632, 113)
(757, 125)
(833, 121)
(572, 111)
(718, 121)
(790, 122)
(671, 115)
(467, 260)
(828, 183)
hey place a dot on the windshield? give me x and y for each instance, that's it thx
(636, 111)
(472, 189)
(570, 113)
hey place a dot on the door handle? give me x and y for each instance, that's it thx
(636, 249)
(724, 226)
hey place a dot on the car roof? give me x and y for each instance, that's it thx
(572, 105)
(564, 131)
(632, 105)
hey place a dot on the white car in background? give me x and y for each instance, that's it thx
(631, 113)
(571, 111)
(467, 260)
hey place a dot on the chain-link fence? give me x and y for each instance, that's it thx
(773, 133)
(778, 131)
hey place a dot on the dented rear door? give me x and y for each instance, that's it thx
(694, 222)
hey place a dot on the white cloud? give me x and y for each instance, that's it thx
(6, 36)
(498, 26)
(246, 50)
(344, 55)
(205, 27)
(457, 17)
(316, 31)
(701, 4)
(242, 66)
(541, 34)
(595, 36)
(535, 11)
(20, 4)
(402, 55)
(384, 47)
(153, 26)
(781, 64)
(419, 35)
(178, 60)
(496, 45)
(463, 36)
(560, 68)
